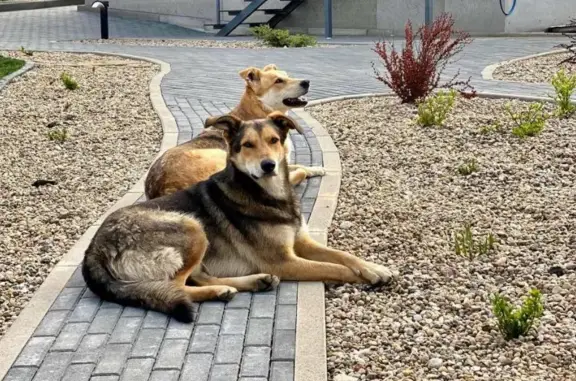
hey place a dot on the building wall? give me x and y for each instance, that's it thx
(537, 15)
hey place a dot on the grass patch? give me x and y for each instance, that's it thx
(9, 65)
(468, 167)
(468, 246)
(516, 322)
(58, 135)
(69, 82)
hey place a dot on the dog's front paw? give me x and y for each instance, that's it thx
(315, 171)
(377, 274)
(266, 282)
(226, 293)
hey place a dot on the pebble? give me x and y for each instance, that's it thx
(435, 363)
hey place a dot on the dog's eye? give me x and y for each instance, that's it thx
(279, 80)
(274, 140)
(248, 145)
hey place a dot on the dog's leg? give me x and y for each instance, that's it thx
(257, 282)
(296, 176)
(307, 248)
(300, 269)
(300, 172)
(193, 259)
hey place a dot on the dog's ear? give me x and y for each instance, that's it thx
(270, 67)
(228, 124)
(250, 74)
(284, 123)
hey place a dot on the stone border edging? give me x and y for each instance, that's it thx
(488, 71)
(23, 327)
(6, 79)
(30, 5)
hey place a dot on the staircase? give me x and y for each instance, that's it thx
(271, 15)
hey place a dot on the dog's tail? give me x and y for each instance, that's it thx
(162, 296)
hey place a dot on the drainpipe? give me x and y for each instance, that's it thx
(328, 19)
(428, 10)
(218, 11)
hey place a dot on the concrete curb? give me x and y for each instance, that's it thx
(488, 71)
(6, 80)
(30, 5)
(23, 327)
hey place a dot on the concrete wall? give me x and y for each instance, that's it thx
(537, 15)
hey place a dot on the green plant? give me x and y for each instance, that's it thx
(467, 246)
(468, 167)
(433, 110)
(280, 37)
(516, 322)
(26, 52)
(528, 122)
(58, 135)
(564, 86)
(69, 82)
(491, 128)
(9, 65)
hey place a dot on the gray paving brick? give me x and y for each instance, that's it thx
(197, 367)
(53, 366)
(179, 330)
(255, 362)
(67, 299)
(90, 349)
(234, 322)
(34, 351)
(148, 343)
(70, 337)
(204, 339)
(165, 375)
(155, 320)
(288, 293)
(137, 370)
(259, 332)
(105, 320)
(78, 372)
(126, 330)
(283, 345)
(107, 304)
(76, 280)
(285, 317)
(85, 310)
(52, 323)
(224, 372)
(282, 371)
(171, 354)
(229, 350)
(241, 300)
(253, 379)
(89, 294)
(112, 360)
(133, 312)
(104, 378)
(20, 374)
(210, 313)
(263, 306)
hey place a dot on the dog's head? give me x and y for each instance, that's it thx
(256, 147)
(275, 88)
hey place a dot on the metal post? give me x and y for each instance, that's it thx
(218, 11)
(103, 5)
(328, 19)
(428, 10)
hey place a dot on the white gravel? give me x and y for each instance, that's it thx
(534, 70)
(401, 200)
(114, 134)
(193, 43)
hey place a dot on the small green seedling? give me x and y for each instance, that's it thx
(468, 167)
(69, 82)
(491, 128)
(528, 122)
(516, 322)
(58, 135)
(26, 52)
(434, 110)
(466, 245)
(564, 86)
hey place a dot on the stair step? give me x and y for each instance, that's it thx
(235, 12)
(250, 24)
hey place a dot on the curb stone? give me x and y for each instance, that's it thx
(23, 327)
(488, 72)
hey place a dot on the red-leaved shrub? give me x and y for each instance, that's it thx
(415, 73)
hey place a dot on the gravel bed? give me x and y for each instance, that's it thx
(233, 44)
(534, 70)
(402, 199)
(113, 135)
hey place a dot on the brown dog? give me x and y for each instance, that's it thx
(266, 90)
(240, 230)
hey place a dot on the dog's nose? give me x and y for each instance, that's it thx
(305, 84)
(268, 165)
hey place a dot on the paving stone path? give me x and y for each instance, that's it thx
(251, 338)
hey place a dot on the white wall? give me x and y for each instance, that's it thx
(537, 15)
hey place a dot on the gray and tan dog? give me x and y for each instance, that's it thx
(267, 90)
(240, 230)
